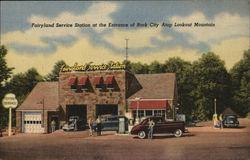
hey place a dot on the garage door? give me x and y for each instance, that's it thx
(32, 122)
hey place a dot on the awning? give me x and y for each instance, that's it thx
(149, 104)
(109, 79)
(72, 81)
(97, 80)
(83, 81)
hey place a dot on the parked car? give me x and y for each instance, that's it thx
(111, 123)
(74, 124)
(161, 127)
(230, 121)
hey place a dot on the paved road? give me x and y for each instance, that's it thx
(203, 142)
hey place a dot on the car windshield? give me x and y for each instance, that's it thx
(231, 118)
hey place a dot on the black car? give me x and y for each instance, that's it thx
(230, 121)
(111, 123)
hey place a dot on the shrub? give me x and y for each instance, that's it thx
(248, 115)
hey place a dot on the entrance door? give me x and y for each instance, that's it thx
(32, 122)
(79, 111)
(102, 109)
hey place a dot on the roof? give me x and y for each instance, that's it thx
(156, 86)
(43, 96)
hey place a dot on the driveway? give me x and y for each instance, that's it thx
(203, 142)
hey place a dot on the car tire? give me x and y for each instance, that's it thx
(178, 133)
(142, 134)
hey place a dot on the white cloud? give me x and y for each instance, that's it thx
(226, 25)
(138, 38)
(97, 13)
(83, 52)
(231, 50)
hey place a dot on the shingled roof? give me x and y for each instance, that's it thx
(43, 96)
(156, 86)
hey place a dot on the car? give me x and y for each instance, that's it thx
(111, 123)
(73, 124)
(177, 128)
(230, 121)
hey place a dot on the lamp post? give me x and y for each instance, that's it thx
(137, 110)
(215, 114)
(215, 106)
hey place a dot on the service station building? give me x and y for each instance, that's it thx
(88, 94)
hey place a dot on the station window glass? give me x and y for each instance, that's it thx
(149, 113)
(159, 113)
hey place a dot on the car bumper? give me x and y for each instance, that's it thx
(231, 125)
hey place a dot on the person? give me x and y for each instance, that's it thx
(53, 126)
(215, 119)
(90, 127)
(151, 125)
(99, 126)
(221, 121)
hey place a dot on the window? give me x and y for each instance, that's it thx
(83, 83)
(109, 81)
(149, 113)
(73, 83)
(159, 113)
(98, 82)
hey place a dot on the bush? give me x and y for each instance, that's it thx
(248, 115)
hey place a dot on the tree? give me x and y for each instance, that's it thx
(184, 87)
(22, 83)
(155, 67)
(211, 80)
(53, 76)
(240, 74)
(5, 73)
(139, 68)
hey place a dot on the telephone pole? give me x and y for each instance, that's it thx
(126, 49)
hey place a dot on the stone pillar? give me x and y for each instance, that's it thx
(45, 122)
(91, 112)
(19, 121)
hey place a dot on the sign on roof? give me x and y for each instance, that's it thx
(102, 67)
(9, 101)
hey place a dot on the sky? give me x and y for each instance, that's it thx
(29, 46)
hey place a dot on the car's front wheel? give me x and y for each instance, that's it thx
(142, 134)
(178, 133)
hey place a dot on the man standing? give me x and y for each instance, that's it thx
(53, 126)
(90, 127)
(221, 121)
(151, 125)
(99, 126)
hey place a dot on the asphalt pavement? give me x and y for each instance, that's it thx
(202, 142)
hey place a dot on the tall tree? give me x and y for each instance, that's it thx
(184, 87)
(22, 83)
(139, 68)
(210, 80)
(53, 76)
(5, 73)
(240, 74)
(155, 67)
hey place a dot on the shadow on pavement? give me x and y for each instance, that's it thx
(168, 136)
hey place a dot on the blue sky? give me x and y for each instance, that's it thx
(41, 48)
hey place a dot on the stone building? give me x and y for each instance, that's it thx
(87, 94)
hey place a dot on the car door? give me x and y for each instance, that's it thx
(115, 124)
(159, 126)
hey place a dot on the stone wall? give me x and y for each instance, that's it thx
(93, 96)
